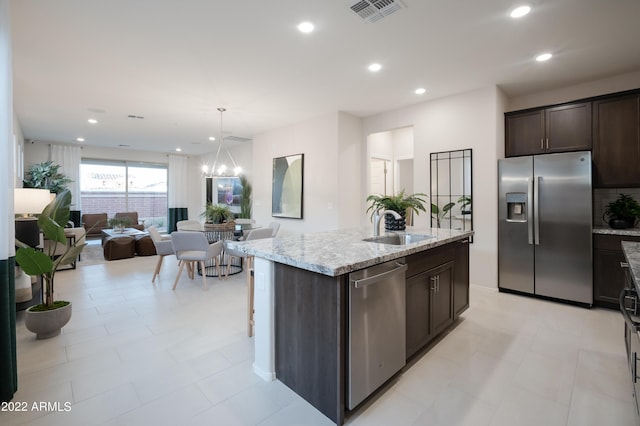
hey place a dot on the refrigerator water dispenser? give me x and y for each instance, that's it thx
(516, 207)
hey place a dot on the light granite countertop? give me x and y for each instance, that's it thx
(632, 255)
(339, 252)
(605, 230)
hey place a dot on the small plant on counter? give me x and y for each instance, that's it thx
(622, 213)
(400, 203)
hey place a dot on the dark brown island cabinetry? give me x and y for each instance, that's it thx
(608, 276)
(437, 292)
(616, 141)
(312, 315)
(555, 129)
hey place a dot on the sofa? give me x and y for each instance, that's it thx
(94, 223)
(133, 220)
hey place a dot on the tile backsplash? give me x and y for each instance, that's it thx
(603, 196)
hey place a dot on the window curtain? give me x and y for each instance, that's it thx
(69, 158)
(8, 356)
(178, 190)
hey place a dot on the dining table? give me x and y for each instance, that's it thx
(217, 233)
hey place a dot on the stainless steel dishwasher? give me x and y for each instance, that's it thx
(376, 328)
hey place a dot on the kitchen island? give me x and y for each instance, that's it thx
(302, 311)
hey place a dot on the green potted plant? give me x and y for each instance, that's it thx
(622, 213)
(245, 201)
(217, 214)
(438, 213)
(119, 223)
(465, 204)
(48, 318)
(399, 203)
(46, 176)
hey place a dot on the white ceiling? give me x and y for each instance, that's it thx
(175, 62)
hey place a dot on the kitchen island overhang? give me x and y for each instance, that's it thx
(314, 268)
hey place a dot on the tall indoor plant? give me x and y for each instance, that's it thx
(46, 175)
(48, 318)
(399, 203)
(245, 201)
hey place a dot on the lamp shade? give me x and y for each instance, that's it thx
(30, 200)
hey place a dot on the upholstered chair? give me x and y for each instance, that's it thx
(163, 247)
(191, 247)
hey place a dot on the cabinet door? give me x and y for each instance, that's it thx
(418, 327)
(461, 278)
(568, 128)
(524, 133)
(616, 148)
(608, 277)
(441, 280)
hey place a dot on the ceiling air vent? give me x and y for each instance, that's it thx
(374, 10)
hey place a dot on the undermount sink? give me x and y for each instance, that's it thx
(398, 239)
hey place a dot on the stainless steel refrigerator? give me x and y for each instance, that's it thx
(544, 229)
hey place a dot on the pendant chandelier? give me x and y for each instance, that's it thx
(220, 168)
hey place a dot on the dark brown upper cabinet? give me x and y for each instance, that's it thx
(616, 141)
(555, 129)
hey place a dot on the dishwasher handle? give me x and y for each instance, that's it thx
(400, 267)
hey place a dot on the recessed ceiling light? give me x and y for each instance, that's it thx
(421, 91)
(80, 139)
(92, 121)
(178, 149)
(520, 11)
(212, 138)
(375, 67)
(305, 27)
(543, 57)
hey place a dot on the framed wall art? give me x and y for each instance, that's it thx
(286, 195)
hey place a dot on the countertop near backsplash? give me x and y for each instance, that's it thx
(634, 232)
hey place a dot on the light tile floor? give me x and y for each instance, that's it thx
(136, 353)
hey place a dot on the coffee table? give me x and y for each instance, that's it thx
(126, 232)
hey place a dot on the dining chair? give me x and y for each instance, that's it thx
(163, 245)
(192, 247)
(188, 225)
(254, 234)
(275, 227)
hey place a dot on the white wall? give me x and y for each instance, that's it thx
(242, 155)
(469, 120)
(349, 174)
(18, 153)
(330, 144)
(603, 86)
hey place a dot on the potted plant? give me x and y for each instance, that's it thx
(622, 213)
(48, 318)
(400, 203)
(465, 204)
(438, 213)
(46, 176)
(245, 201)
(119, 223)
(218, 217)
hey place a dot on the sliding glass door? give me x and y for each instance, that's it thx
(120, 186)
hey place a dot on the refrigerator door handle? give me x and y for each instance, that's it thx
(530, 209)
(536, 212)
